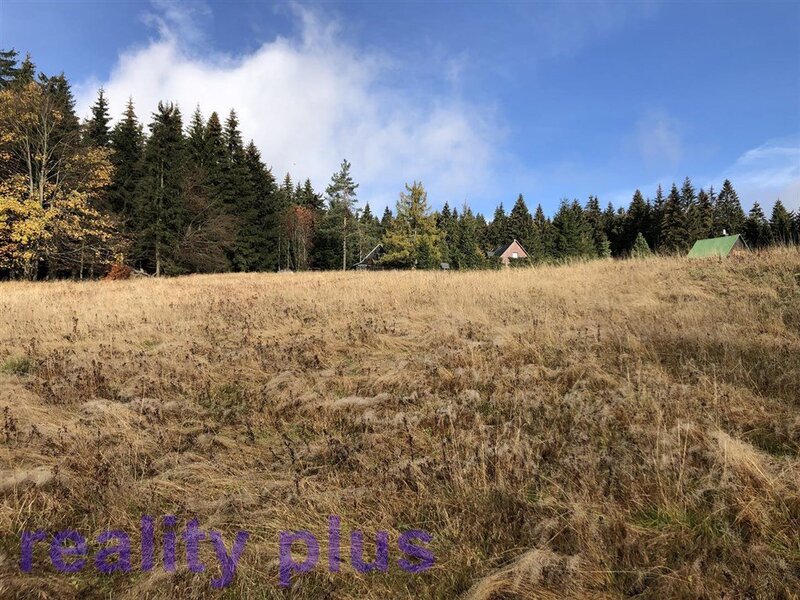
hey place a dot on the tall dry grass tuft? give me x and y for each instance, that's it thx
(589, 431)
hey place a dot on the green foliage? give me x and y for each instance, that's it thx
(414, 240)
(97, 129)
(728, 213)
(573, 234)
(17, 365)
(674, 235)
(640, 247)
(159, 213)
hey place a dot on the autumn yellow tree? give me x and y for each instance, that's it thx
(49, 186)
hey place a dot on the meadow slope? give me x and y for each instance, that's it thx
(601, 430)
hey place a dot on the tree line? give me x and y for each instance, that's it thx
(191, 197)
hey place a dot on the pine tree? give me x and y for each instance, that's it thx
(160, 196)
(756, 229)
(781, 224)
(127, 141)
(341, 194)
(640, 248)
(728, 214)
(97, 130)
(413, 241)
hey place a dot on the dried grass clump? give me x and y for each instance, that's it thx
(597, 430)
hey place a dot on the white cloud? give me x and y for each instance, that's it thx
(309, 102)
(768, 172)
(658, 139)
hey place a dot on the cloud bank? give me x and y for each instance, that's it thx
(310, 101)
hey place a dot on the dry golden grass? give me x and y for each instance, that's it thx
(598, 430)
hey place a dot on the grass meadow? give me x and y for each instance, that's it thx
(599, 430)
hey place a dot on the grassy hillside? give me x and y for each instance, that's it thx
(601, 430)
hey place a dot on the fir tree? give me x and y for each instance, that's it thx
(97, 130)
(307, 197)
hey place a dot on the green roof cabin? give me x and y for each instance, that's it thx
(721, 246)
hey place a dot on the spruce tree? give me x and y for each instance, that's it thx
(499, 232)
(544, 237)
(469, 254)
(520, 223)
(573, 234)
(386, 220)
(656, 220)
(97, 130)
(26, 73)
(728, 214)
(704, 222)
(640, 248)
(268, 208)
(196, 140)
(781, 224)
(8, 68)
(674, 232)
(160, 210)
(756, 229)
(637, 220)
(127, 141)
(594, 220)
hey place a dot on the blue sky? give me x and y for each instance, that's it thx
(480, 101)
